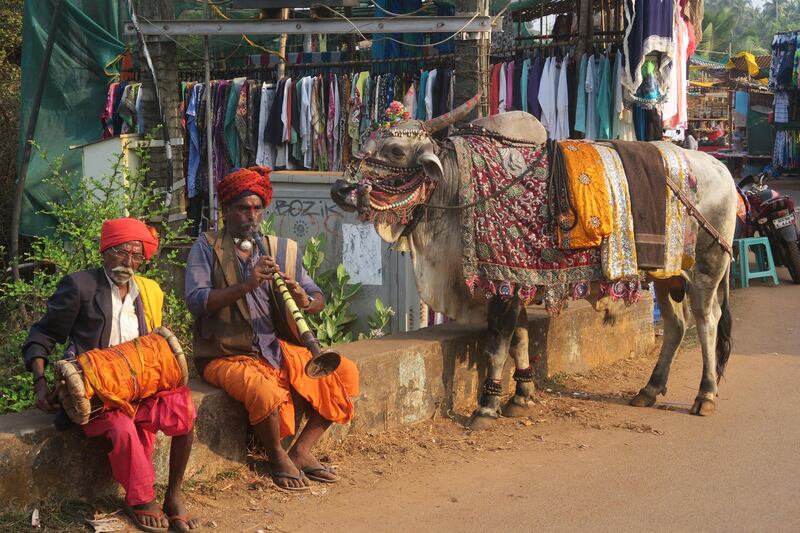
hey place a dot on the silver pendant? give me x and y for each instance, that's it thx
(245, 246)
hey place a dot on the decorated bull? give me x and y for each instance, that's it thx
(495, 219)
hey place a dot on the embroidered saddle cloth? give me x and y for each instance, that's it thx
(509, 244)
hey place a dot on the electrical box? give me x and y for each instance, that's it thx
(267, 4)
(302, 206)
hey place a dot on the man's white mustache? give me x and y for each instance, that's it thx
(123, 270)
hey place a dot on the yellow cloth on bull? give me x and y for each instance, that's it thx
(589, 196)
(123, 374)
(618, 250)
(679, 249)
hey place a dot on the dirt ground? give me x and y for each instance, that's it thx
(582, 460)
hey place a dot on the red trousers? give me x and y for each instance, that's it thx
(133, 439)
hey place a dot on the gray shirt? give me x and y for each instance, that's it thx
(198, 286)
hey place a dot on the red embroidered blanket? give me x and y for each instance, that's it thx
(509, 243)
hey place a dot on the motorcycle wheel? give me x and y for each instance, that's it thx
(792, 254)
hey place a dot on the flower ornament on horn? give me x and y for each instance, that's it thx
(394, 114)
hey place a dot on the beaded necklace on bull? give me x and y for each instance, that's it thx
(389, 194)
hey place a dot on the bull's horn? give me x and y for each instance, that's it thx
(442, 121)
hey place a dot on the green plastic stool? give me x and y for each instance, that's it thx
(764, 263)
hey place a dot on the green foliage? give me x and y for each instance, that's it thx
(85, 204)
(745, 25)
(378, 321)
(332, 324)
(10, 75)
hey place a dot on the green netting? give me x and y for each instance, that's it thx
(87, 41)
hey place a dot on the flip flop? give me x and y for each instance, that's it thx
(181, 518)
(134, 515)
(309, 472)
(273, 474)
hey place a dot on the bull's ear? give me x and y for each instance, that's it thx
(431, 165)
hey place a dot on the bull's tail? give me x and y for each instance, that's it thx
(724, 326)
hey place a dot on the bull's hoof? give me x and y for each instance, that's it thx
(643, 400)
(479, 422)
(514, 410)
(703, 407)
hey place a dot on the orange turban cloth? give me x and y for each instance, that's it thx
(121, 230)
(253, 180)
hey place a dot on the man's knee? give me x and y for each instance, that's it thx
(348, 374)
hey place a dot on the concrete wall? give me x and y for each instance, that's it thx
(405, 379)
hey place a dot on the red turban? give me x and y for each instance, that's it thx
(253, 179)
(121, 230)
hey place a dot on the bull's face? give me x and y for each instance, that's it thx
(395, 168)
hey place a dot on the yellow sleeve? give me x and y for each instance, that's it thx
(152, 301)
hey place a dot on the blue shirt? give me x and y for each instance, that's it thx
(198, 285)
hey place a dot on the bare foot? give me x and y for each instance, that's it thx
(150, 514)
(179, 517)
(310, 465)
(282, 464)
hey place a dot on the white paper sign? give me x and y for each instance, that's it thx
(361, 254)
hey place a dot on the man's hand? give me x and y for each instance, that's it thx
(262, 271)
(42, 397)
(298, 293)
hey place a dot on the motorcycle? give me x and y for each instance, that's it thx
(770, 214)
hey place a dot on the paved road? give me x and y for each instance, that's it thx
(738, 470)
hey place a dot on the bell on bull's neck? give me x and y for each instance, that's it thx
(402, 245)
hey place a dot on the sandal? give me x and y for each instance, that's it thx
(181, 518)
(285, 475)
(309, 471)
(134, 515)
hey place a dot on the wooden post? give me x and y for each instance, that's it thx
(585, 26)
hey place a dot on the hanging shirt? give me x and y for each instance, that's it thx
(545, 97)
(580, 104)
(494, 89)
(265, 152)
(534, 81)
(562, 102)
(502, 91)
(429, 94)
(423, 86)
(193, 188)
(604, 100)
(410, 101)
(523, 82)
(591, 100)
(510, 86)
(617, 106)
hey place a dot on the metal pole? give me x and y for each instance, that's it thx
(16, 212)
(212, 212)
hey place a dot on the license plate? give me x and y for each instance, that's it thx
(783, 221)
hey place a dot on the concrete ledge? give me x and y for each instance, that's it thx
(405, 379)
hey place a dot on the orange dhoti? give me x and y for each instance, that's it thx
(263, 388)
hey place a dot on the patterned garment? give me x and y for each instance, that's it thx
(681, 231)
(618, 251)
(512, 250)
(589, 196)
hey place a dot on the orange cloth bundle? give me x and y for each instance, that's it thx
(122, 375)
(589, 194)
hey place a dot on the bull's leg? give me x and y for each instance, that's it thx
(519, 404)
(674, 329)
(502, 321)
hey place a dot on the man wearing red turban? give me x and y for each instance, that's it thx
(240, 342)
(103, 307)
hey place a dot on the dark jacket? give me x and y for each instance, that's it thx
(79, 310)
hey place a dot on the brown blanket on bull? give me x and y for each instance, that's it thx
(647, 183)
